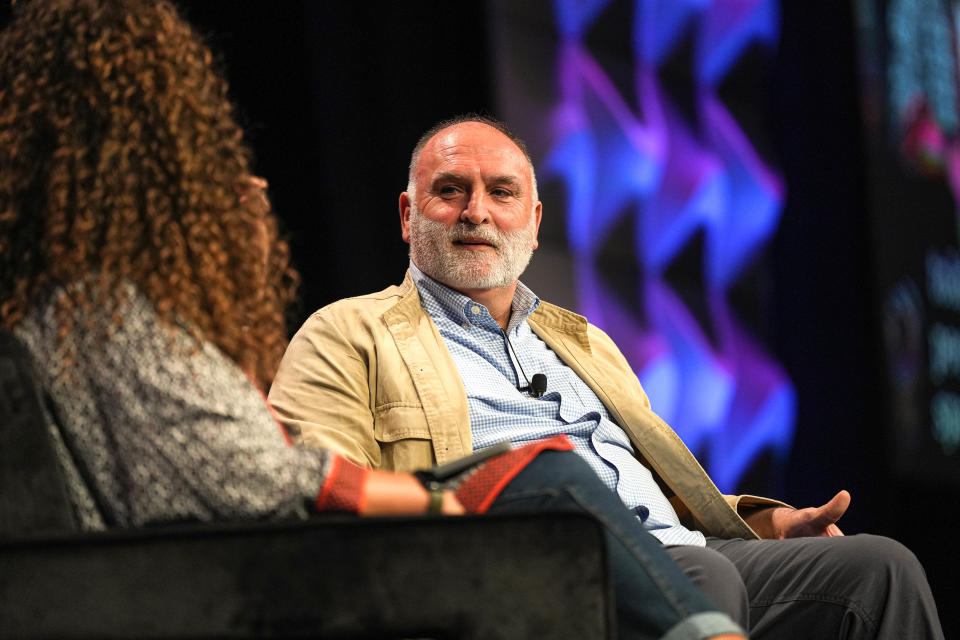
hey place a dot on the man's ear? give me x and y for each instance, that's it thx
(538, 213)
(405, 203)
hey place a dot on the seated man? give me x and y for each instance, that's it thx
(424, 372)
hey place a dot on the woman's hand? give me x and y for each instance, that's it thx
(397, 494)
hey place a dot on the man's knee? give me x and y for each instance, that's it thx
(877, 559)
(717, 577)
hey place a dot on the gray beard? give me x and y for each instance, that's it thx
(433, 251)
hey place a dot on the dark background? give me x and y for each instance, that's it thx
(334, 95)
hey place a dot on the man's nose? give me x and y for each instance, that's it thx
(475, 211)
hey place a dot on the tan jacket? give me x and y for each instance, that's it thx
(371, 378)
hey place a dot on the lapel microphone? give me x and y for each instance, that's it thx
(536, 387)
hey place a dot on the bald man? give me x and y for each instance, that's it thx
(443, 364)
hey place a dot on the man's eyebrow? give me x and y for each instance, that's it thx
(514, 182)
(511, 180)
(448, 176)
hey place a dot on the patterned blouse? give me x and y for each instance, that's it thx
(151, 427)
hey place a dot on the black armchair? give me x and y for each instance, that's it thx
(536, 576)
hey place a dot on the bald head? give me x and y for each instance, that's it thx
(441, 126)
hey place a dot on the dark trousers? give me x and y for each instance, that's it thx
(850, 587)
(654, 598)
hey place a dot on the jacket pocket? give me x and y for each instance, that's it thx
(401, 430)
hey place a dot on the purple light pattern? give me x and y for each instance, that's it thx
(724, 395)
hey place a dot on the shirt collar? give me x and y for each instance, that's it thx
(454, 305)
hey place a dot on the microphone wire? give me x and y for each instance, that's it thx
(517, 360)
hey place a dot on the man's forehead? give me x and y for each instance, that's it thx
(461, 145)
(471, 140)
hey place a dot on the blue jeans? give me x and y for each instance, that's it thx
(654, 599)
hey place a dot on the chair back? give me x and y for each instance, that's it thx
(33, 493)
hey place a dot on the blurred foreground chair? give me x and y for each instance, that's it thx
(536, 576)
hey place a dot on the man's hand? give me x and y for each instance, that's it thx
(782, 522)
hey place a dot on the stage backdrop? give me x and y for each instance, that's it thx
(647, 124)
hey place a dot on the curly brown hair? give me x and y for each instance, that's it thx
(121, 161)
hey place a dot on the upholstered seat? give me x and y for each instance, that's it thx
(535, 576)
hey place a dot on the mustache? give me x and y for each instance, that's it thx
(465, 230)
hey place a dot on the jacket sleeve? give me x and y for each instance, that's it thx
(343, 489)
(750, 501)
(323, 392)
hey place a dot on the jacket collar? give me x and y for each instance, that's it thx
(550, 316)
(547, 315)
(409, 305)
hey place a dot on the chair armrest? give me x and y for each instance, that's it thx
(498, 576)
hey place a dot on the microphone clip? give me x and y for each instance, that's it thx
(537, 386)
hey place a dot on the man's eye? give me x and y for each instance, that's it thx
(449, 190)
(500, 193)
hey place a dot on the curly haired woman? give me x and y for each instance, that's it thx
(140, 264)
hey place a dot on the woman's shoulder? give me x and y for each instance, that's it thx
(75, 328)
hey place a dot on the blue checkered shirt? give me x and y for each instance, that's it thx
(498, 411)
